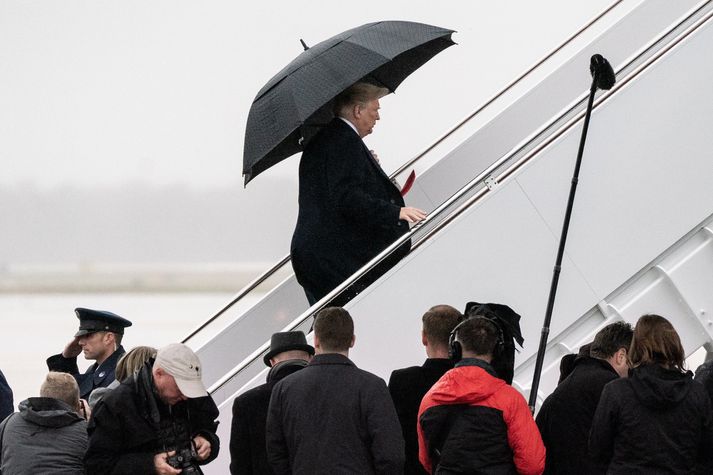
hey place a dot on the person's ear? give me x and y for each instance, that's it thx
(353, 341)
(424, 340)
(316, 342)
(622, 356)
(356, 110)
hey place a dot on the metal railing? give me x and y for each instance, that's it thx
(476, 189)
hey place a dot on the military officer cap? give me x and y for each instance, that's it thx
(91, 321)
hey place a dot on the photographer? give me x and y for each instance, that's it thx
(161, 420)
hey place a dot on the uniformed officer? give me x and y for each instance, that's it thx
(99, 338)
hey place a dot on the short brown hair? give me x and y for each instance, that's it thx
(359, 93)
(478, 335)
(439, 322)
(655, 341)
(61, 386)
(334, 328)
(132, 361)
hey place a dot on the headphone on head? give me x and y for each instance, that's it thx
(455, 349)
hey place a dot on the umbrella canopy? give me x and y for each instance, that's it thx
(291, 108)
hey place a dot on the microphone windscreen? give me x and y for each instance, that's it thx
(602, 70)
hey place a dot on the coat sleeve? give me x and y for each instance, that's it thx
(347, 174)
(705, 450)
(277, 452)
(423, 454)
(203, 413)
(240, 457)
(604, 424)
(524, 438)
(543, 424)
(397, 392)
(387, 441)
(105, 455)
(6, 403)
(63, 365)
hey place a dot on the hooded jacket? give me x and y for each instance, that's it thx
(653, 422)
(472, 422)
(46, 436)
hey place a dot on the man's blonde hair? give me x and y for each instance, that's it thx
(61, 386)
(360, 93)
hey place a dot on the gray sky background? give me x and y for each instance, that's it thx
(109, 96)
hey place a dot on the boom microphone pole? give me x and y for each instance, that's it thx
(602, 78)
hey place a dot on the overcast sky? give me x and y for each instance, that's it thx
(108, 92)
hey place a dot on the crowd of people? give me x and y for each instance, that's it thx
(458, 414)
(624, 404)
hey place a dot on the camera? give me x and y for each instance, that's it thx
(185, 459)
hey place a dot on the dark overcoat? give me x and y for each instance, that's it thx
(332, 417)
(6, 403)
(130, 424)
(566, 417)
(96, 376)
(407, 387)
(348, 211)
(248, 454)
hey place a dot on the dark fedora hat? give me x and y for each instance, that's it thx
(287, 341)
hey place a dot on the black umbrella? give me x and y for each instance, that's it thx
(291, 108)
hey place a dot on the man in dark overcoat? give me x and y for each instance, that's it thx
(565, 417)
(99, 338)
(332, 417)
(289, 352)
(408, 385)
(349, 210)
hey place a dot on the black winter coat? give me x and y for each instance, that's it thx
(656, 421)
(6, 404)
(131, 424)
(96, 376)
(566, 416)
(348, 211)
(407, 387)
(333, 418)
(248, 452)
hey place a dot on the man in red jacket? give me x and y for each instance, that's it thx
(473, 422)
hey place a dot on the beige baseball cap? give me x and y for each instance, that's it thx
(183, 364)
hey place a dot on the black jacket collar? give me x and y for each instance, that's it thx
(330, 359)
(479, 363)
